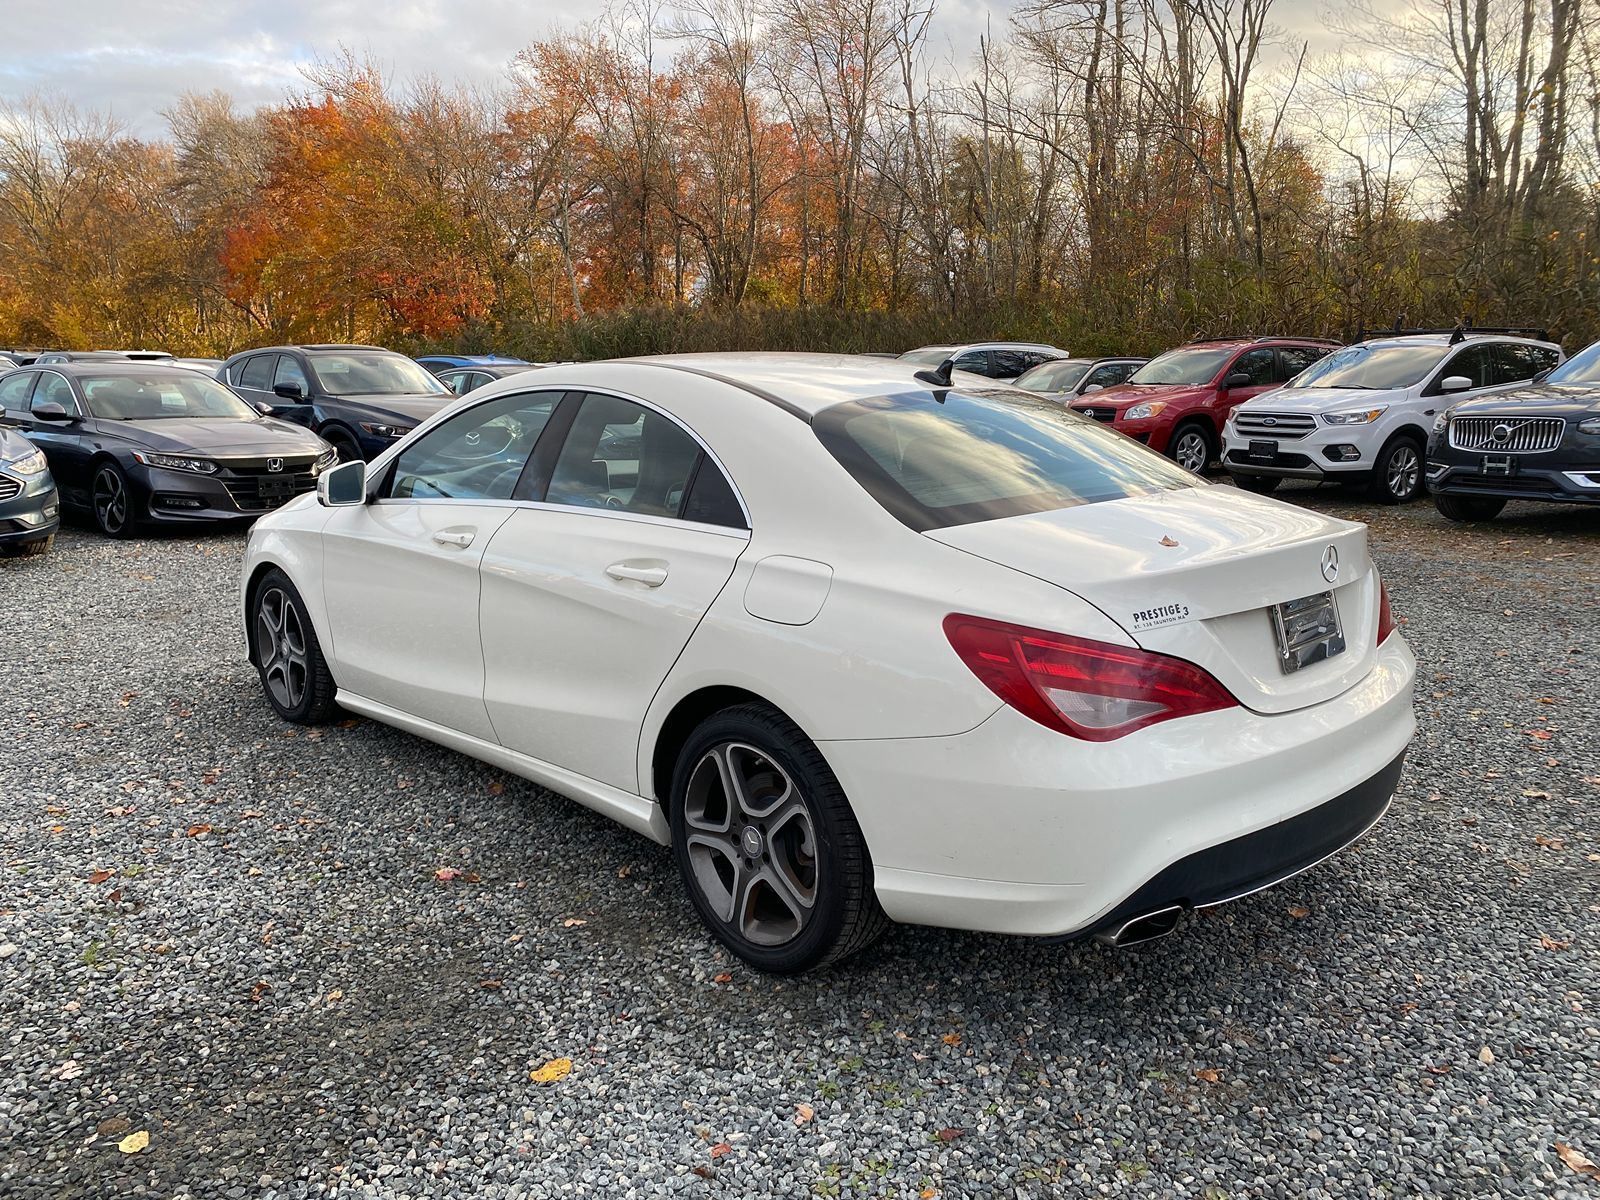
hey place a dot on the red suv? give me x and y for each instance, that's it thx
(1177, 403)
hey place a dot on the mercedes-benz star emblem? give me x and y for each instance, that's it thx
(1330, 563)
(274, 465)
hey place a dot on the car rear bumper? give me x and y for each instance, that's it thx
(1013, 828)
(1528, 482)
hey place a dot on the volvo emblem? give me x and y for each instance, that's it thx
(1269, 420)
(274, 465)
(1501, 433)
(1330, 563)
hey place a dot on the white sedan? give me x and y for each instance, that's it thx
(859, 646)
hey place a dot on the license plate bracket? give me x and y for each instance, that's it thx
(1266, 451)
(1499, 464)
(1307, 631)
(275, 487)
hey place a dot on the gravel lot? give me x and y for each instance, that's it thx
(273, 982)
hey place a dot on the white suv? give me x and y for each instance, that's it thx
(1362, 414)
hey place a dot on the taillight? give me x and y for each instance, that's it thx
(1385, 613)
(1091, 690)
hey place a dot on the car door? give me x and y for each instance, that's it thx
(591, 592)
(67, 444)
(400, 574)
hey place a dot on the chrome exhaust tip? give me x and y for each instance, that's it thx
(1146, 927)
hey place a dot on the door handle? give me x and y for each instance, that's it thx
(446, 537)
(648, 574)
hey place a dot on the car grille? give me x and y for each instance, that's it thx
(1284, 426)
(254, 488)
(9, 487)
(1507, 435)
(1098, 412)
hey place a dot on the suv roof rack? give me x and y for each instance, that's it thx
(1459, 332)
(1264, 337)
(337, 346)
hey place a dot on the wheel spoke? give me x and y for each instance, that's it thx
(705, 852)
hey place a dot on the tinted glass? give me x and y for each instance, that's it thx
(1295, 359)
(1110, 374)
(622, 456)
(978, 458)
(1518, 362)
(711, 500)
(1582, 367)
(14, 390)
(257, 372)
(376, 373)
(1476, 362)
(1260, 365)
(1372, 367)
(1052, 377)
(155, 396)
(976, 361)
(54, 389)
(1008, 364)
(1183, 366)
(289, 371)
(476, 455)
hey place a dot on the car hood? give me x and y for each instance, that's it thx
(179, 435)
(1537, 399)
(413, 408)
(1126, 395)
(1193, 573)
(1315, 400)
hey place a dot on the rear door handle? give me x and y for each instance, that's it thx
(649, 574)
(453, 537)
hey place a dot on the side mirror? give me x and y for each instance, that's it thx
(344, 486)
(1542, 375)
(1455, 383)
(289, 391)
(262, 407)
(1237, 380)
(51, 411)
(1094, 387)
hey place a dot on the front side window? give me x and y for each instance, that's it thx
(1194, 366)
(1476, 362)
(475, 455)
(976, 361)
(54, 389)
(257, 373)
(375, 373)
(155, 396)
(1260, 365)
(628, 458)
(1109, 375)
(14, 390)
(290, 371)
(965, 458)
(1367, 367)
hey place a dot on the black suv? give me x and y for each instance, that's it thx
(359, 398)
(1540, 442)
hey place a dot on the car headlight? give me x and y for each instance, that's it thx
(176, 462)
(1362, 416)
(28, 464)
(327, 459)
(1140, 412)
(378, 429)
(1442, 421)
(1589, 425)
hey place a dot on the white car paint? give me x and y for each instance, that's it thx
(1296, 418)
(557, 642)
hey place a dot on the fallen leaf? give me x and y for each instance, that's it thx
(949, 1134)
(951, 1039)
(335, 996)
(199, 830)
(553, 1071)
(1533, 794)
(573, 922)
(703, 1171)
(722, 978)
(496, 788)
(126, 698)
(490, 985)
(1208, 1074)
(134, 1142)
(927, 1193)
(1299, 912)
(259, 990)
(624, 871)
(1486, 1056)
(1549, 843)
(1167, 540)
(1576, 1161)
(446, 874)
(803, 1113)
(55, 810)
(1550, 943)
(101, 876)
(720, 1149)
(1542, 735)
(112, 1125)
(1439, 1069)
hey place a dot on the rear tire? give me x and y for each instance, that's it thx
(1468, 508)
(1397, 475)
(1261, 485)
(286, 654)
(775, 864)
(1192, 447)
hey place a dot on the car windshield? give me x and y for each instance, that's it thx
(930, 356)
(152, 397)
(966, 457)
(1052, 377)
(1183, 366)
(374, 374)
(1372, 368)
(1582, 367)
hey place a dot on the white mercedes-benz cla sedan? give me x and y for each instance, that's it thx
(861, 645)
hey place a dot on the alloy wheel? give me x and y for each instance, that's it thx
(1191, 451)
(1404, 471)
(751, 843)
(281, 648)
(110, 500)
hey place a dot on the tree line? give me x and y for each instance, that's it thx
(1104, 174)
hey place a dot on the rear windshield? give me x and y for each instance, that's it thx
(972, 456)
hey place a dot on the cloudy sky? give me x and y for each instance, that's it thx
(134, 57)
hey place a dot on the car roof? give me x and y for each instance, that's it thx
(1057, 350)
(115, 366)
(1446, 340)
(312, 348)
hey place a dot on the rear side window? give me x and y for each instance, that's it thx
(1518, 362)
(965, 457)
(1297, 358)
(711, 500)
(257, 372)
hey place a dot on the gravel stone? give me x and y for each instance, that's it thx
(273, 983)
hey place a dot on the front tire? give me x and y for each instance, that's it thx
(1397, 475)
(1191, 447)
(343, 442)
(767, 845)
(113, 502)
(1468, 508)
(28, 549)
(287, 655)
